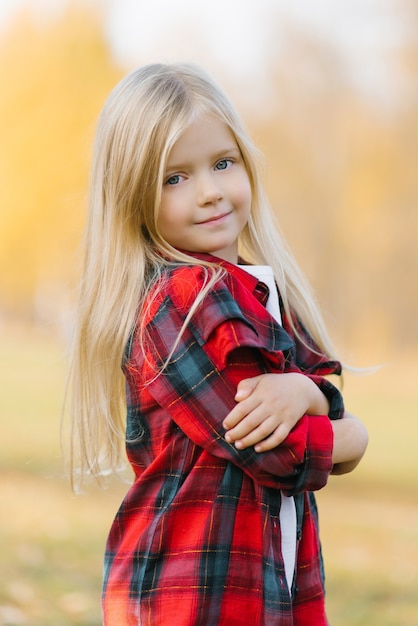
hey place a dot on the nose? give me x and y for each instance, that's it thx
(209, 190)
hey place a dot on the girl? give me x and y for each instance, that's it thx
(230, 422)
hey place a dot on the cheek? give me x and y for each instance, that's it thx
(242, 192)
(164, 222)
(172, 219)
(168, 212)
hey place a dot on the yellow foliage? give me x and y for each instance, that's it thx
(341, 173)
(54, 80)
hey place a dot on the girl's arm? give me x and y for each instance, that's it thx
(269, 406)
(198, 395)
(350, 443)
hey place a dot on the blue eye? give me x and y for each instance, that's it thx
(223, 164)
(173, 180)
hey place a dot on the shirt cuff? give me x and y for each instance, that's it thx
(332, 394)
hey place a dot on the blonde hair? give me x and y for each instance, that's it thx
(124, 252)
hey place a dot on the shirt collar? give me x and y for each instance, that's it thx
(256, 287)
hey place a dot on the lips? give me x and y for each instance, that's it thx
(215, 218)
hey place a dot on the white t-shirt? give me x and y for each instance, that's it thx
(288, 508)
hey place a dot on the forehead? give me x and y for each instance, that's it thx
(205, 136)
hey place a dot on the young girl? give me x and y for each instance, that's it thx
(230, 422)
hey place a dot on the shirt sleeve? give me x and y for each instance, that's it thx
(198, 381)
(308, 357)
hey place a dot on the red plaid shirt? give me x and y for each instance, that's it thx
(196, 541)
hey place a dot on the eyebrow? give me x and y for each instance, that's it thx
(223, 152)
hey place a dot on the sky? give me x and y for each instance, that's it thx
(238, 35)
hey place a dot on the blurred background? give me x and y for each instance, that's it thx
(329, 92)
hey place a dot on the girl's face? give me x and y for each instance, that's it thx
(206, 197)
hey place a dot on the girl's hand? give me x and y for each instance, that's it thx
(269, 406)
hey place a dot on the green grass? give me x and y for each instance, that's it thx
(52, 541)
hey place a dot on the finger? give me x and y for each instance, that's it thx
(258, 433)
(245, 388)
(253, 418)
(240, 412)
(275, 439)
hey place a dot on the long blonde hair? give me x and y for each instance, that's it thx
(124, 252)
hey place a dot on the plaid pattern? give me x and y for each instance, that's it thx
(196, 541)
